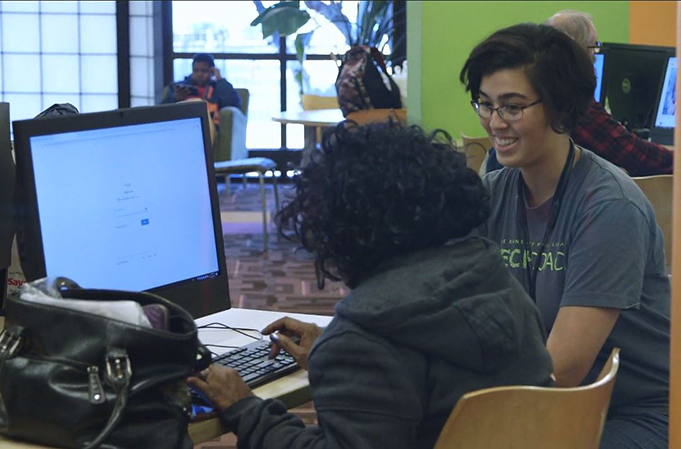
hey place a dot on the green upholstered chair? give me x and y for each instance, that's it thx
(231, 155)
(230, 143)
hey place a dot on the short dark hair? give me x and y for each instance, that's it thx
(557, 67)
(380, 191)
(203, 57)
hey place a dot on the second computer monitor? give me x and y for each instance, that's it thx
(599, 66)
(633, 76)
(662, 131)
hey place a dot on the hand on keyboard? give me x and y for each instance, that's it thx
(283, 329)
(222, 386)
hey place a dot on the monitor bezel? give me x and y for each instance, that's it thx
(609, 48)
(659, 135)
(213, 292)
(7, 182)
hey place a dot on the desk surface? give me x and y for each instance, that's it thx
(319, 117)
(293, 389)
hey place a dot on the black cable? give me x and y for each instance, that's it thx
(240, 330)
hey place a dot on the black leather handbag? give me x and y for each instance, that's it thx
(79, 380)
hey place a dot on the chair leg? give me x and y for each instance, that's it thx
(264, 210)
(243, 180)
(227, 189)
(276, 199)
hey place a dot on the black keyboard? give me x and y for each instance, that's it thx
(252, 362)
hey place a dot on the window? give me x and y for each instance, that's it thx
(48, 54)
(141, 53)
(248, 61)
(68, 51)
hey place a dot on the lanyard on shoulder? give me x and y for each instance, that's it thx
(531, 271)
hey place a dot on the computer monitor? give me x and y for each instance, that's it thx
(633, 76)
(6, 200)
(662, 131)
(126, 200)
(599, 67)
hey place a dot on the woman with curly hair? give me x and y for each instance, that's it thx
(433, 312)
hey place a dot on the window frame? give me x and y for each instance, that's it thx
(122, 17)
(282, 156)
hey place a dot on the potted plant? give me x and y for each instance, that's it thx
(373, 27)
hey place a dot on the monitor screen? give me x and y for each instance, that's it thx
(633, 76)
(598, 66)
(125, 200)
(665, 116)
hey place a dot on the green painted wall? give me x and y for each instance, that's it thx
(444, 33)
(414, 33)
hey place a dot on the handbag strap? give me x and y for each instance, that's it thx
(118, 374)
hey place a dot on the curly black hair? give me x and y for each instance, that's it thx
(380, 191)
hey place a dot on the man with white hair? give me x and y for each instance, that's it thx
(600, 132)
(579, 26)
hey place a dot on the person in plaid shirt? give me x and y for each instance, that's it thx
(599, 131)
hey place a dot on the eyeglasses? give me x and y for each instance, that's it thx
(508, 112)
(595, 47)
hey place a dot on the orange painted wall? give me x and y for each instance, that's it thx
(675, 358)
(652, 23)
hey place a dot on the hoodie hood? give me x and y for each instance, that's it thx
(460, 292)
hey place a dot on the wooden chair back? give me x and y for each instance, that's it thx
(313, 135)
(316, 102)
(659, 191)
(365, 116)
(475, 149)
(522, 417)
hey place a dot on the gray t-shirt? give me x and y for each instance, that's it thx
(606, 251)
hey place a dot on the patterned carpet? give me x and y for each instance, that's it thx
(281, 279)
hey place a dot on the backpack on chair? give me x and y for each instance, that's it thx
(360, 85)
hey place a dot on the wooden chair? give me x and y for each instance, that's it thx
(659, 191)
(315, 102)
(522, 417)
(313, 135)
(378, 115)
(475, 149)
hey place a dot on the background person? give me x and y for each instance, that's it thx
(206, 83)
(433, 312)
(598, 131)
(574, 229)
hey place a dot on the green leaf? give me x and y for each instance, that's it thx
(284, 18)
(371, 15)
(301, 42)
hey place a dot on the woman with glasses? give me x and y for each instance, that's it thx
(598, 130)
(573, 228)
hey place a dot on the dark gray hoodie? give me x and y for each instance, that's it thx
(401, 350)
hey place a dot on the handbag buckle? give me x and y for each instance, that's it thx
(9, 343)
(118, 369)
